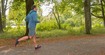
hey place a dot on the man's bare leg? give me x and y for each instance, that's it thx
(35, 44)
(34, 40)
(23, 38)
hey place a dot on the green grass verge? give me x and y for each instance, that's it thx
(14, 33)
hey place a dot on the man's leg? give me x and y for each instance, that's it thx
(23, 38)
(35, 44)
(34, 40)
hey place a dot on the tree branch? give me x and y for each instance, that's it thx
(103, 1)
(96, 15)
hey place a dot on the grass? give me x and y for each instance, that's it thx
(16, 33)
(53, 33)
(12, 33)
(98, 30)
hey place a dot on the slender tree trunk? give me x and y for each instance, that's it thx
(1, 29)
(103, 14)
(59, 21)
(87, 16)
(57, 17)
(29, 4)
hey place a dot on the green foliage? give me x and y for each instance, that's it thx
(17, 14)
(49, 25)
(12, 33)
(52, 34)
(16, 33)
(98, 30)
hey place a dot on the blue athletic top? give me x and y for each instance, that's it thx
(31, 18)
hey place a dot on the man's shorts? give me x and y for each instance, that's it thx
(31, 32)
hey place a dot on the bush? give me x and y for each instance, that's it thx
(98, 29)
(76, 30)
(13, 33)
(49, 25)
(52, 33)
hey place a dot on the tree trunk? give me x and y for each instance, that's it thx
(87, 16)
(57, 16)
(29, 4)
(103, 14)
(59, 21)
(4, 6)
(1, 29)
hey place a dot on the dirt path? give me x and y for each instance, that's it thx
(80, 46)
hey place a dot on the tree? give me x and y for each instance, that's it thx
(1, 29)
(4, 8)
(58, 10)
(65, 8)
(29, 4)
(98, 10)
(57, 16)
(16, 16)
(87, 16)
(103, 14)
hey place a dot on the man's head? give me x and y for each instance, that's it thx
(34, 7)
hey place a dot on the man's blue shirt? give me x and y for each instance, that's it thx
(31, 18)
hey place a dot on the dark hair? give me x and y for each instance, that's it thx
(34, 6)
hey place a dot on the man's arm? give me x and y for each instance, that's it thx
(34, 16)
(27, 18)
